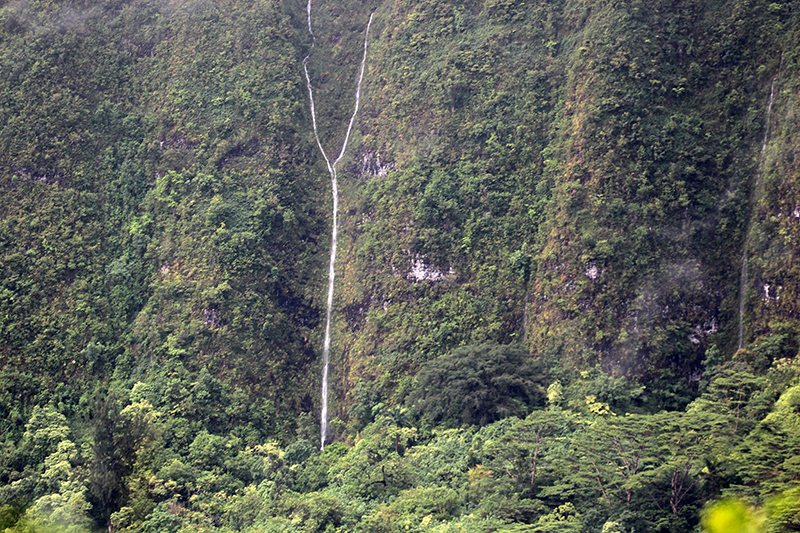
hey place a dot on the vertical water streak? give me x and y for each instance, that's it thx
(358, 91)
(335, 194)
(525, 323)
(759, 171)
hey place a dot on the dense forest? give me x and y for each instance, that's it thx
(567, 293)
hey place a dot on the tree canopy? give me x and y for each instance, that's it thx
(478, 385)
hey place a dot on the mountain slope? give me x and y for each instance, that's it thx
(612, 185)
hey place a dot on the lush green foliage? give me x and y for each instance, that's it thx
(477, 385)
(554, 470)
(542, 195)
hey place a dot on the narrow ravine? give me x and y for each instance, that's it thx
(760, 169)
(335, 194)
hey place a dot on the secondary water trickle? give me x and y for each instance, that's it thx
(743, 274)
(335, 194)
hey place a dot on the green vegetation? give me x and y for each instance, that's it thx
(554, 469)
(477, 385)
(544, 211)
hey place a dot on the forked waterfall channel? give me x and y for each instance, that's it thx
(335, 193)
(759, 170)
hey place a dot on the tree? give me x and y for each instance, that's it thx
(686, 446)
(640, 460)
(396, 416)
(784, 511)
(563, 519)
(414, 510)
(608, 455)
(478, 384)
(530, 451)
(43, 432)
(770, 455)
(117, 436)
(66, 507)
(54, 480)
(735, 390)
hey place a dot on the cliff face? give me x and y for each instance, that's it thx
(160, 212)
(578, 174)
(582, 177)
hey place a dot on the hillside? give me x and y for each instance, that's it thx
(562, 225)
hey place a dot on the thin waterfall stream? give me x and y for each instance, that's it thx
(335, 194)
(760, 169)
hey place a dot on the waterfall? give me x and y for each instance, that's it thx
(335, 194)
(759, 171)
